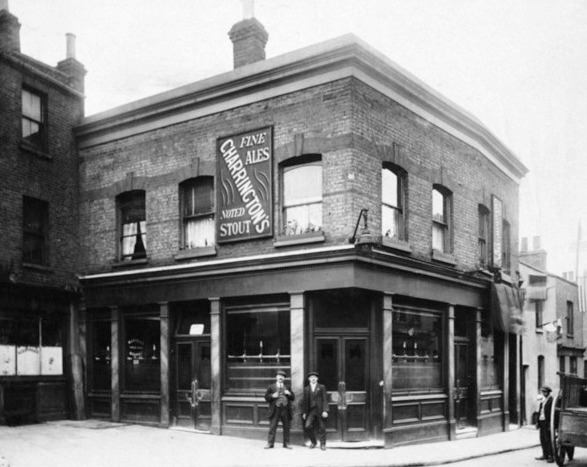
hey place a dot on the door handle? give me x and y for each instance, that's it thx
(195, 395)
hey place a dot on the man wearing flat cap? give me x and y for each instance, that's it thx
(544, 424)
(279, 397)
(315, 410)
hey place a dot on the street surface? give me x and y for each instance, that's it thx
(522, 458)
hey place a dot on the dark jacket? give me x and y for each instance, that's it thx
(269, 398)
(321, 399)
(547, 410)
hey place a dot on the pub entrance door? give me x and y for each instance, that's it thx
(191, 399)
(343, 364)
(464, 387)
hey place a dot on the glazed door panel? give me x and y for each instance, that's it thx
(192, 398)
(343, 365)
(463, 383)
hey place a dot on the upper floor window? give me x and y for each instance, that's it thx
(570, 319)
(133, 225)
(33, 118)
(483, 236)
(197, 198)
(506, 261)
(302, 197)
(573, 366)
(393, 182)
(35, 229)
(441, 209)
(539, 313)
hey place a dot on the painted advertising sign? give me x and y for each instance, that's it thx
(244, 186)
(497, 211)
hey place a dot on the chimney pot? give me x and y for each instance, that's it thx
(70, 45)
(524, 246)
(536, 243)
(4, 5)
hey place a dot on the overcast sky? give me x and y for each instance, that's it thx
(519, 66)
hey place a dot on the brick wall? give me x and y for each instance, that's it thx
(353, 126)
(51, 176)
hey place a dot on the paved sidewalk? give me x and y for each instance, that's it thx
(93, 443)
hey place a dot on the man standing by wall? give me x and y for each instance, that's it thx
(315, 410)
(279, 397)
(544, 424)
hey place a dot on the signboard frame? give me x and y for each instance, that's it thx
(496, 231)
(244, 188)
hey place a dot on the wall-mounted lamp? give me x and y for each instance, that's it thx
(366, 238)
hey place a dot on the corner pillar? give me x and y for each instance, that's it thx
(297, 303)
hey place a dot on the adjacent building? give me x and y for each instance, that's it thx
(40, 369)
(553, 341)
(321, 210)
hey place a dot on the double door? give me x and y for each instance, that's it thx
(343, 364)
(191, 396)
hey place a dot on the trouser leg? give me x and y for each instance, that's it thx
(322, 429)
(309, 426)
(285, 423)
(272, 429)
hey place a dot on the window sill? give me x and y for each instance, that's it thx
(133, 262)
(195, 253)
(396, 244)
(35, 150)
(292, 240)
(443, 258)
(38, 267)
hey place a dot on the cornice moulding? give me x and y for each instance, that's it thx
(340, 58)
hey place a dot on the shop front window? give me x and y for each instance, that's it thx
(141, 353)
(31, 347)
(417, 350)
(258, 344)
(489, 364)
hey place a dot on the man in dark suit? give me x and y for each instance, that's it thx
(315, 410)
(544, 424)
(279, 397)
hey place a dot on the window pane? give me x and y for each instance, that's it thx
(389, 188)
(438, 237)
(258, 345)
(390, 222)
(141, 355)
(302, 185)
(417, 350)
(438, 206)
(303, 219)
(199, 232)
(199, 196)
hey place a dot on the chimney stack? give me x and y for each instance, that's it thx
(70, 66)
(9, 29)
(535, 258)
(248, 37)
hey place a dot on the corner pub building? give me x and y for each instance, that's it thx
(321, 210)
